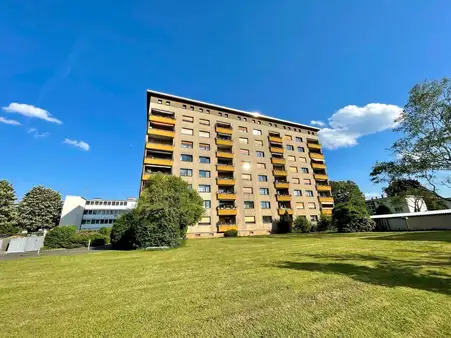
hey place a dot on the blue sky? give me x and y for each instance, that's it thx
(87, 64)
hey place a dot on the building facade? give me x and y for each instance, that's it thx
(250, 169)
(397, 205)
(93, 214)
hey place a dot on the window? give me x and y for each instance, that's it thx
(298, 139)
(186, 172)
(311, 205)
(242, 129)
(264, 191)
(244, 152)
(258, 142)
(398, 209)
(248, 190)
(246, 177)
(186, 131)
(267, 219)
(203, 188)
(187, 144)
(245, 165)
(307, 181)
(205, 134)
(226, 115)
(184, 106)
(257, 132)
(289, 137)
(248, 204)
(289, 147)
(295, 180)
(260, 154)
(304, 170)
(219, 113)
(293, 169)
(259, 122)
(309, 193)
(208, 111)
(301, 149)
(168, 103)
(186, 158)
(188, 119)
(244, 140)
(291, 158)
(299, 205)
(249, 219)
(191, 107)
(297, 193)
(314, 218)
(201, 110)
(302, 160)
(204, 122)
(207, 204)
(204, 159)
(160, 102)
(205, 220)
(261, 166)
(204, 173)
(262, 178)
(265, 205)
(204, 146)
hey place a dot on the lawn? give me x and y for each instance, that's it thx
(328, 285)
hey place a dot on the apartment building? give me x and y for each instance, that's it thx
(250, 169)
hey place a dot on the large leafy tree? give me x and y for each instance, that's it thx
(39, 209)
(8, 208)
(348, 192)
(423, 151)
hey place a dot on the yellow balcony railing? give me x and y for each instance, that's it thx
(326, 199)
(224, 167)
(224, 130)
(227, 212)
(158, 161)
(221, 142)
(275, 139)
(146, 177)
(223, 154)
(313, 145)
(277, 160)
(320, 177)
(326, 212)
(159, 146)
(280, 173)
(317, 156)
(318, 166)
(283, 198)
(223, 228)
(280, 185)
(161, 119)
(226, 197)
(283, 211)
(160, 132)
(276, 150)
(225, 182)
(323, 188)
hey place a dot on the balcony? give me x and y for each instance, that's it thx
(146, 177)
(317, 156)
(227, 212)
(320, 177)
(158, 161)
(224, 142)
(224, 154)
(225, 227)
(326, 199)
(225, 181)
(161, 119)
(323, 188)
(160, 132)
(318, 165)
(226, 196)
(283, 198)
(327, 212)
(284, 210)
(224, 167)
(160, 146)
(282, 185)
(276, 150)
(222, 130)
(313, 146)
(280, 173)
(275, 160)
(275, 139)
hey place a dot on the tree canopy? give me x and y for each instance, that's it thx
(347, 192)
(8, 208)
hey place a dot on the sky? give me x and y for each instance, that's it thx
(73, 78)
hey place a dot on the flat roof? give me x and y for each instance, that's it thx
(413, 214)
(218, 107)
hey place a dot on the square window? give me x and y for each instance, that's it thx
(203, 188)
(206, 220)
(244, 119)
(246, 177)
(191, 107)
(226, 115)
(201, 110)
(311, 205)
(267, 219)
(265, 205)
(160, 101)
(189, 119)
(243, 140)
(245, 165)
(309, 193)
(207, 204)
(186, 158)
(205, 134)
(289, 137)
(262, 178)
(186, 172)
(293, 169)
(248, 204)
(289, 147)
(204, 159)
(261, 166)
(186, 131)
(244, 152)
(314, 218)
(205, 122)
(204, 173)
(242, 129)
(260, 154)
(297, 193)
(249, 219)
(295, 180)
(299, 205)
(264, 191)
(304, 170)
(204, 146)
(257, 131)
(168, 103)
(248, 190)
(187, 144)
(298, 139)
(307, 181)
(302, 160)
(258, 142)
(219, 113)
(301, 149)
(291, 158)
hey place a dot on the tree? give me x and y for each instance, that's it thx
(348, 217)
(8, 209)
(301, 224)
(382, 209)
(347, 192)
(39, 209)
(424, 150)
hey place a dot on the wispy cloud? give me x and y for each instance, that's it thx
(31, 111)
(79, 144)
(317, 123)
(370, 195)
(36, 133)
(11, 122)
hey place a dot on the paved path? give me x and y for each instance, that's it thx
(63, 252)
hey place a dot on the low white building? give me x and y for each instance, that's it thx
(95, 213)
(397, 205)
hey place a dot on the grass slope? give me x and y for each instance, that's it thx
(330, 285)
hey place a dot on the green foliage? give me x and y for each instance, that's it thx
(105, 231)
(325, 224)
(301, 224)
(347, 217)
(60, 237)
(8, 209)
(284, 225)
(382, 209)
(347, 192)
(231, 233)
(96, 238)
(122, 233)
(40, 208)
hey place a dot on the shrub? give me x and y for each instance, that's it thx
(105, 231)
(284, 225)
(96, 238)
(60, 237)
(359, 224)
(383, 210)
(301, 224)
(348, 218)
(122, 236)
(325, 224)
(231, 233)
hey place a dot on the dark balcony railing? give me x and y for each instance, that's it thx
(225, 178)
(163, 114)
(281, 181)
(220, 137)
(229, 192)
(226, 207)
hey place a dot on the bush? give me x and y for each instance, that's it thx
(383, 210)
(284, 225)
(231, 233)
(359, 224)
(105, 231)
(348, 218)
(122, 232)
(325, 224)
(60, 237)
(301, 224)
(96, 238)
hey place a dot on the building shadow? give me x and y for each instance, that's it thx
(437, 236)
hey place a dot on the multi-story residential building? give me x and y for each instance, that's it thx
(397, 205)
(250, 169)
(93, 214)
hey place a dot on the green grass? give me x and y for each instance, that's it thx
(330, 285)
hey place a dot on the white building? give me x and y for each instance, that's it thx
(95, 213)
(397, 205)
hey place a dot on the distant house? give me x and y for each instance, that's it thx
(407, 204)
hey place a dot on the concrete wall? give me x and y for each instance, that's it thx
(427, 222)
(72, 212)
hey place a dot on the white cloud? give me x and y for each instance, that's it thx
(350, 123)
(317, 123)
(37, 134)
(31, 111)
(80, 144)
(11, 122)
(370, 195)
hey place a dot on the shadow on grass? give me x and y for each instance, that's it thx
(437, 236)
